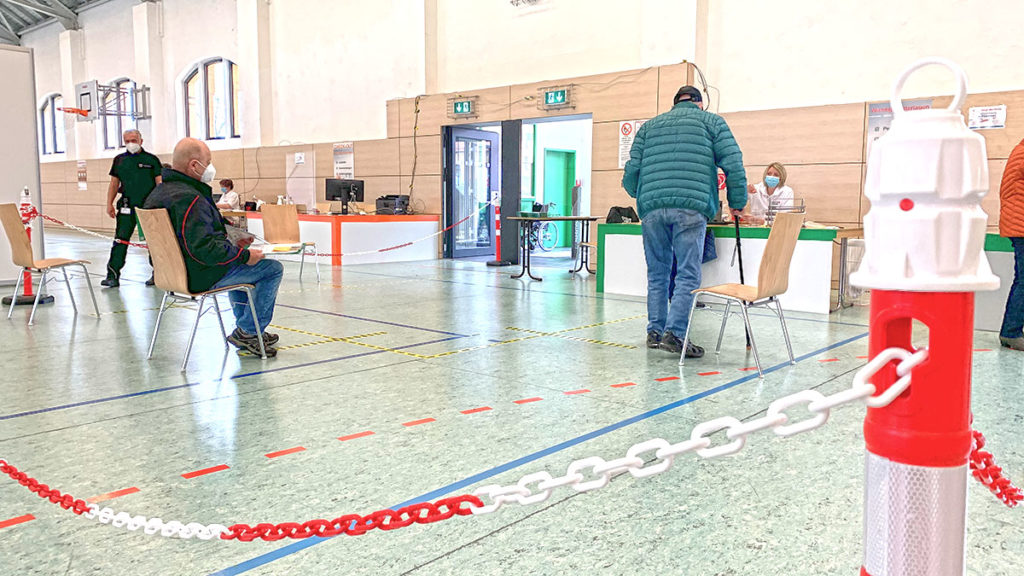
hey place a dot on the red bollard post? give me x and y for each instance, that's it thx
(924, 259)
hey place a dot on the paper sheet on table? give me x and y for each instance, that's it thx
(280, 248)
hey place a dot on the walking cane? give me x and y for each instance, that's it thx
(739, 256)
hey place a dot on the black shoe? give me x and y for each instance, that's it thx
(110, 283)
(270, 339)
(672, 343)
(653, 339)
(250, 343)
(1012, 343)
(151, 281)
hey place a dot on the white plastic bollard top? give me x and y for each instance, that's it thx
(926, 178)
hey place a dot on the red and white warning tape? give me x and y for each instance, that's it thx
(318, 254)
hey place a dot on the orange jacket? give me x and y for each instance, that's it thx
(1011, 195)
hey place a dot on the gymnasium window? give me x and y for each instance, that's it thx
(211, 100)
(51, 125)
(120, 107)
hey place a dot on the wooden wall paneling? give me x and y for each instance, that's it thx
(324, 153)
(670, 79)
(394, 118)
(53, 194)
(229, 164)
(98, 170)
(605, 146)
(426, 197)
(266, 189)
(376, 158)
(95, 194)
(51, 172)
(376, 186)
(266, 162)
(606, 191)
(58, 211)
(630, 95)
(428, 152)
(433, 114)
(820, 134)
(89, 216)
(831, 191)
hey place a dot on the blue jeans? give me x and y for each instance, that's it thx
(672, 233)
(1013, 319)
(265, 277)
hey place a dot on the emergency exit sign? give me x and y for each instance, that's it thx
(462, 107)
(555, 97)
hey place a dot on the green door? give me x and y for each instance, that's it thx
(559, 178)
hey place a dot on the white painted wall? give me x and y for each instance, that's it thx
(791, 53)
(109, 41)
(46, 52)
(484, 43)
(336, 63)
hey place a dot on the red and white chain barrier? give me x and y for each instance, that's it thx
(581, 475)
(318, 254)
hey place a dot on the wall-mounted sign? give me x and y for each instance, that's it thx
(83, 175)
(460, 107)
(880, 117)
(627, 133)
(986, 117)
(555, 98)
(344, 161)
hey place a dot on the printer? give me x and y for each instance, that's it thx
(393, 204)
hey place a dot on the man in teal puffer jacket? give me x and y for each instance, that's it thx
(673, 174)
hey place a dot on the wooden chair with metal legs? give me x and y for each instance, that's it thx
(21, 254)
(281, 227)
(772, 282)
(171, 277)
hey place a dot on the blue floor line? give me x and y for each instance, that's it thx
(339, 315)
(269, 557)
(192, 384)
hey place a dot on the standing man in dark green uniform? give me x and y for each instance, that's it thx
(134, 175)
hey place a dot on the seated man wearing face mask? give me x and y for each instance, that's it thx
(133, 175)
(211, 260)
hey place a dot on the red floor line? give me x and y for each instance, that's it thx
(574, 392)
(711, 373)
(280, 453)
(862, 357)
(983, 350)
(748, 369)
(829, 360)
(528, 400)
(666, 379)
(204, 471)
(112, 495)
(357, 435)
(477, 410)
(418, 422)
(624, 385)
(16, 521)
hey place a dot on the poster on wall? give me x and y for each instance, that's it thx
(627, 133)
(83, 176)
(344, 161)
(986, 117)
(880, 117)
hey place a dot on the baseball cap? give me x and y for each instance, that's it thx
(691, 91)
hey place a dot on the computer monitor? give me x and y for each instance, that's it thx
(344, 191)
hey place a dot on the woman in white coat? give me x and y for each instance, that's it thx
(770, 192)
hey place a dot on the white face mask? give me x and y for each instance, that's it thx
(209, 174)
(133, 148)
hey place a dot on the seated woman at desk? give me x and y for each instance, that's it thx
(770, 192)
(228, 197)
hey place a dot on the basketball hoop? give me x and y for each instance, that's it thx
(79, 111)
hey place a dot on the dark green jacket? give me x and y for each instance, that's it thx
(197, 223)
(675, 159)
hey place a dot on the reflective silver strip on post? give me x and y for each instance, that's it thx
(914, 519)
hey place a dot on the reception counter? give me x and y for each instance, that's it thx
(347, 238)
(622, 269)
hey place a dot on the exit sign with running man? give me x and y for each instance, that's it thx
(555, 98)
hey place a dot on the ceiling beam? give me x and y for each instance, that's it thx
(9, 37)
(62, 13)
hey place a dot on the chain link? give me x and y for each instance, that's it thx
(984, 470)
(817, 409)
